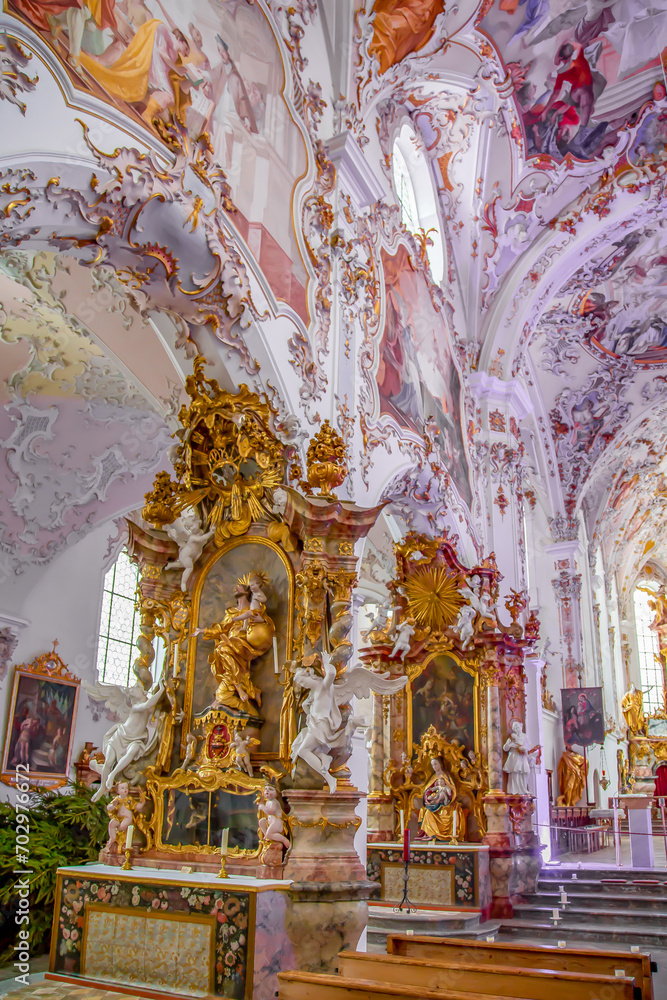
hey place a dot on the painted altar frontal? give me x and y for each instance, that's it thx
(189, 934)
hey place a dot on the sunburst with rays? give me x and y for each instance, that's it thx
(433, 597)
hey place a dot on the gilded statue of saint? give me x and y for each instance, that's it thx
(632, 707)
(401, 27)
(572, 772)
(245, 633)
(442, 816)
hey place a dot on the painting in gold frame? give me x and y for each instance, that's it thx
(42, 717)
(445, 695)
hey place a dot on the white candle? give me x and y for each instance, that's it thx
(128, 837)
(574, 875)
(563, 899)
(562, 944)
(276, 669)
(454, 818)
(224, 842)
(555, 913)
(402, 823)
(175, 668)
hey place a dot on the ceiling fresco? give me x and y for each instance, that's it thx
(581, 71)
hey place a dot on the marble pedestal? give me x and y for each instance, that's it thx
(447, 876)
(327, 902)
(515, 852)
(150, 931)
(641, 829)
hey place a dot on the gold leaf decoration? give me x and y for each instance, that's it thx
(433, 597)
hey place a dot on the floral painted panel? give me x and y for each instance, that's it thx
(468, 865)
(230, 909)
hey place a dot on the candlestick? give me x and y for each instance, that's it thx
(402, 822)
(406, 845)
(555, 913)
(129, 837)
(563, 899)
(128, 854)
(276, 668)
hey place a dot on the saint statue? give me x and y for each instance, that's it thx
(442, 817)
(519, 760)
(632, 707)
(572, 774)
(245, 633)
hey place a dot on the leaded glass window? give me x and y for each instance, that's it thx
(119, 623)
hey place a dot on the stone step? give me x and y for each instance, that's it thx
(573, 916)
(383, 920)
(649, 935)
(594, 900)
(564, 872)
(612, 884)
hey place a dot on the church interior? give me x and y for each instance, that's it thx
(333, 587)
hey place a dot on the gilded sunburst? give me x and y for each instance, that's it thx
(433, 597)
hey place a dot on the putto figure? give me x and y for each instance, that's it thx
(325, 728)
(186, 532)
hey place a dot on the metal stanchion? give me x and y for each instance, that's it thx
(661, 804)
(617, 832)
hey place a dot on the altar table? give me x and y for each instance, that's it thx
(454, 877)
(162, 931)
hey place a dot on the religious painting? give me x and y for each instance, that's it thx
(418, 382)
(217, 66)
(40, 730)
(222, 631)
(583, 716)
(580, 70)
(443, 696)
(401, 27)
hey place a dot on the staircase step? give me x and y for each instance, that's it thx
(383, 920)
(564, 872)
(651, 935)
(574, 916)
(636, 900)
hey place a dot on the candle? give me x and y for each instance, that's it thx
(175, 668)
(406, 845)
(574, 875)
(128, 837)
(454, 818)
(562, 944)
(490, 938)
(224, 842)
(276, 668)
(555, 913)
(563, 899)
(402, 823)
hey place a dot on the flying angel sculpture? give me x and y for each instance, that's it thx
(325, 728)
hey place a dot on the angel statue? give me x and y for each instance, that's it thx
(326, 728)
(464, 625)
(403, 633)
(377, 629)
(128, 741)
(272, 823)
(186, 532)
(477, 599)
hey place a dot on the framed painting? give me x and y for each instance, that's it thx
(40, 728)
(445, 696)
(583, 716)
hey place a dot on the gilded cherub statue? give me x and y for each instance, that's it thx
(272, 823)
(245, 633)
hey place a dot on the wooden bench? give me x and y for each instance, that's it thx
(313, 986)
(637, 965)
(528, 984)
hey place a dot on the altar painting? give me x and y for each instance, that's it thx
(443, 696)
(216, 65)
(418, 383)
(214, 595)
(41, 725)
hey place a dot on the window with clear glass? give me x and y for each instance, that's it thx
(413, 184)
(405, 192)
(648, 651)
(119, 623)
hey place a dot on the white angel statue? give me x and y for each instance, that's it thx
(186, 532)
(380, 619)
(403, 633)
(129, 740)
(480, 601)
(464, 625)
(325, 728)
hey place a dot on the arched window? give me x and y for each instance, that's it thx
(119, 623)
(416, 196)
(648, 651)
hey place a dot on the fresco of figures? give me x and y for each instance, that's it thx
(215, 64)
(418, 382)
(580, 67)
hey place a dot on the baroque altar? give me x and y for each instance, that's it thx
(457, 728)
(229, 781)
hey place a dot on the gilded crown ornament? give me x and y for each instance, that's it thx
(326, 461)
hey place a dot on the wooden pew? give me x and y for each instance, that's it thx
(501, 953)
(313, 986)
(529, 984)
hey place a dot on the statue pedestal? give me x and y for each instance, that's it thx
(515, 852)
(641, 830)
(327, 907)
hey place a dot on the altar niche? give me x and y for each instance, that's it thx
(445, 696)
